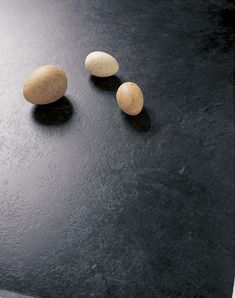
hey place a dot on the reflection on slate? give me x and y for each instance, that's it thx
(108, 84)
(141, 122)
(7, 294)
(56, 113)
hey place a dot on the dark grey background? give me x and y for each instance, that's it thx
(96, 204)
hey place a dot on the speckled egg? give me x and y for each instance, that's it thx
(101, 64)
(45, 85)
(130, 98)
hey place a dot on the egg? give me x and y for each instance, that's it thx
(130, 98)
(45, 85)
(101, 64)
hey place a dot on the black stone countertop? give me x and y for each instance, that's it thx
(97, 204)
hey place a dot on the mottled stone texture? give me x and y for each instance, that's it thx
(97, 204)
(7, 294)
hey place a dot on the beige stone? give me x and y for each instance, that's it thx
(45, 85)
(130, 98)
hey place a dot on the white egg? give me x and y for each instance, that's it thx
(101, 64)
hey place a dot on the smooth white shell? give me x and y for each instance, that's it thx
(101, 64)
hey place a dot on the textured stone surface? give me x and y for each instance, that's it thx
(7, 294)
(97, 204)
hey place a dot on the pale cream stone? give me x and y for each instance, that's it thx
(101, 64)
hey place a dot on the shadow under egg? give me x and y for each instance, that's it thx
(56, 113)
(141, 122)
(107, 84)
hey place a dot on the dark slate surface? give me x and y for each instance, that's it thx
(96, 204)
